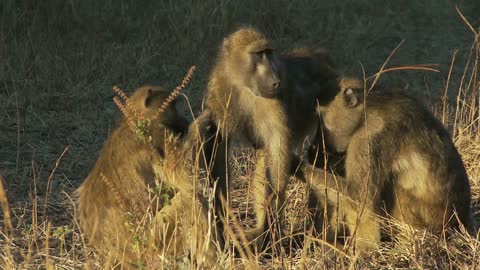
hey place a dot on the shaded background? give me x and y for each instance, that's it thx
(60, 59)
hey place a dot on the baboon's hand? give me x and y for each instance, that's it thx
(202, 128)
(204, 124)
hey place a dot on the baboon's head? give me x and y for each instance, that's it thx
(314, 70)
(149, 99)
(250, 62)
(343, 115)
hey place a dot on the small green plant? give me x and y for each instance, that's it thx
(142, 129)
(59, 233)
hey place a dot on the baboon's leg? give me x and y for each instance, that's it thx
(362, 176)
(339, 216)
(204, 238)
(181, 228)
(325, 206)
(323, 198)
(269, 183)
(319, 178)
(218, 170)
(278, 174)
(166, 229)
(330, 193)
(364, 226)
(262, 198)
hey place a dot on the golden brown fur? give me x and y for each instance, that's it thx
(335, 213)
(139, 202)
(400, 161)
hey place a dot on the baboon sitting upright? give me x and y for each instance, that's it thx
(243, 96)
(140, 200)
(246, 97)
(400, 161)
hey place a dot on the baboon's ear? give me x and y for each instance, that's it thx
(148, 98)
(352, 97)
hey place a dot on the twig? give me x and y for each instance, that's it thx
(411, 67)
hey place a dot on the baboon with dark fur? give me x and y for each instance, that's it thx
(140, 199)
(400, 161)
(246, 96)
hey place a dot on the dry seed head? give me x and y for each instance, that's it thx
(129, 105)
(119, 92)
(115, 192)
(177, 90)
(125, 112)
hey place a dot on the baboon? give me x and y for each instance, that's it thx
(247, 97)
(400, 161)
(243, 96)
(140, 199)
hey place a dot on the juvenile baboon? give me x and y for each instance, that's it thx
(400, 161)
(246, 97)
(140, 199)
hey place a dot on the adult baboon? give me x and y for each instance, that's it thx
(243, 96)
(140, 200)
(246, 97)
(400, 161)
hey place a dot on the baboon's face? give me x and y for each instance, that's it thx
(342, 117)
(249, 62)
(264, 79)
(151, 99)
(256, 70)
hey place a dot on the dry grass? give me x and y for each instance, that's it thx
(55, 108)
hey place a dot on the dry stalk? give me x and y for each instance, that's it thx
(6, 208)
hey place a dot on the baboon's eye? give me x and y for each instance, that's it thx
(351, 100)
